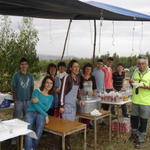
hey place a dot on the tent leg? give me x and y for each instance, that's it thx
(66, 39)
(94, 46)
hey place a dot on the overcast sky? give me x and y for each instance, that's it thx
(116, 36)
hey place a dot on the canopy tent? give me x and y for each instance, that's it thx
(68, 9)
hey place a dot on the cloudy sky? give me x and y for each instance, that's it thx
(115, 36)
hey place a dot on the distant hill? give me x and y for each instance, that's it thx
(53, 57)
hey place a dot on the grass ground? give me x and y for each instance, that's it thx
(49, 141)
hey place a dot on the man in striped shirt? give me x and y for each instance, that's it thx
(118, 79)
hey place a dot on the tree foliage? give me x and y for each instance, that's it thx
(15, 45)
(129, 62)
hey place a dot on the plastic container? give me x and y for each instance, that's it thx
(90, 105)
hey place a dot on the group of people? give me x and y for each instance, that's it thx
(63, 87)
(57, 95)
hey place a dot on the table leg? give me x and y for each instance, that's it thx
(85, 138)
(20, 143)
(95, 134)
(63, 142)
(110, 127)
(118, 133)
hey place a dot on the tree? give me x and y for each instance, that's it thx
(5, 31)
(14, 46)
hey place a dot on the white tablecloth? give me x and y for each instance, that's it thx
(16, 134)
(116, 103)
(14, 128)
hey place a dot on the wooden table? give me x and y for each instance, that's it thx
(63, 128)
(95, 119)
(117, 104)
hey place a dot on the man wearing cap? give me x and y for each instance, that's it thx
(140, 102)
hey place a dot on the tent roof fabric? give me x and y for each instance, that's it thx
(68, 9)
(118, 10)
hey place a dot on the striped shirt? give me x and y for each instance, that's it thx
(118, 80)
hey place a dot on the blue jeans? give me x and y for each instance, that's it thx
(21, 108)
(37, 122)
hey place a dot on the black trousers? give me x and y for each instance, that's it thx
(139, 123)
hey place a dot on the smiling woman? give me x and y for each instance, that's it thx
(37, 111)
(70, 94)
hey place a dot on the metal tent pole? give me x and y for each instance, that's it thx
(94, 46)
(66, 39)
